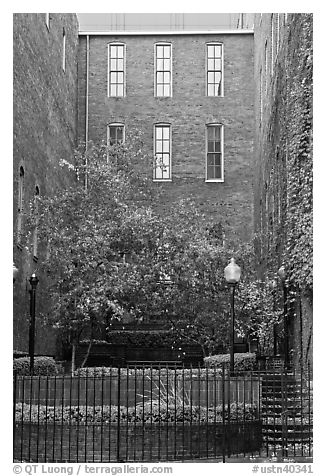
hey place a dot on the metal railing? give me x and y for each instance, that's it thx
(160, 414)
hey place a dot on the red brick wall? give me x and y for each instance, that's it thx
(188, 111)
(45, 124)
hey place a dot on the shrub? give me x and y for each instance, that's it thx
(42, 366)
(148, 372)
(242, 362)
(147, 413)
(142, 339)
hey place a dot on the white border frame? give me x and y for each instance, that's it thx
(221, 180)
(213, 43)
(164, 43)
(117, 43)
(162, 124)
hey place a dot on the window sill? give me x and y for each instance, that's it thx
(214, 181)
(162, 180)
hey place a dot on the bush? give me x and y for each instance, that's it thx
(149, 413)
(148, 372)
(242, 362)
(142, 339)
(42, 366)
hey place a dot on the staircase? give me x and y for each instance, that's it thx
(286, 410)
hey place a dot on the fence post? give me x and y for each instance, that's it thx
(14, 412)
(223, 411)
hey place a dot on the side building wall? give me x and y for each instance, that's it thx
(188, 112)
(283, 165)
(45, 131)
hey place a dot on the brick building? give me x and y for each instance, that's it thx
(283, 165)
(45, 131)
(191, 93)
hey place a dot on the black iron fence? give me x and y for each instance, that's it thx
(161, 414)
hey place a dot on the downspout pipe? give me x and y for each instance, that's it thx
(86, 108)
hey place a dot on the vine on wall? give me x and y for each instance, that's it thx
(286, 178)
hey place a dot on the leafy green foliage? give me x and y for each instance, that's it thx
(242, 361)
(112, 255)
(42, 366)
(286, 234)
(150, 412)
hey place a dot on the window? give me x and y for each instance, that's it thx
(116, 78)
(162, 152)
(163, 70)
(214, 69)
(116, 134)
(214, 153)
(20, 201)
(47, 20)
(35, 212)
(64, 50)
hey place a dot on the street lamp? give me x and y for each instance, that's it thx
(232, 274)
(15, 272)
(273, 287)
(33, 282)
(282, 275)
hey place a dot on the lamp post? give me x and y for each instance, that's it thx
(274, 286)
(33, 282)
(282, 275)
(232, 274)
(15, 272)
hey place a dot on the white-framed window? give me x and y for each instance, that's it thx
(20, 204)
(36, 212)
(162, 152)
(47, 20)
(117, 69)
(163, 69)
(64, 50)
(214, 153)
(214, 69)
(116, 134)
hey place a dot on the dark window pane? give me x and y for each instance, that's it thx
(119, 133)
(211, 133)
(217, 147)
(210, 172)
(210, 147)
(218, 172)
